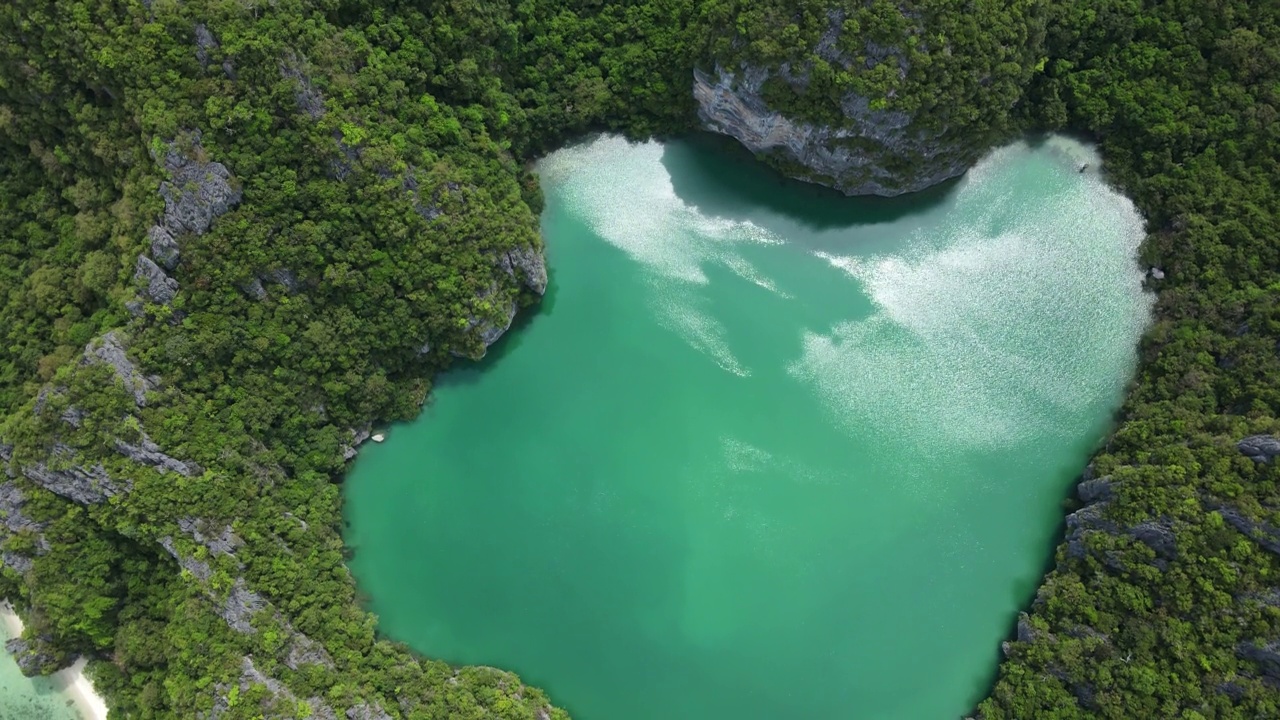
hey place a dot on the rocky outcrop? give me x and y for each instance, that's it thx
(255, 287)
(489, 330)
(358, 438)
(854, 158)
(1159, 536)
(525, 267)
(1095, 490)
(364, 711)
(15, 521)
(280, 700)
(1025, 632)
(305, 651)
(1265, 654)
(429, 210)
(204, 43)
(110, 350)
(75, 482)
(1260, 448)
(875, 151)
(218, 541)
(146, 452)
(36, 655)
(285, 278)
(1082, 523)
(157, 286)
(63, 470)
(240, 606)
(1265, 534)
(199, 569)
(164, 248)
(308, 98)
(198, 192)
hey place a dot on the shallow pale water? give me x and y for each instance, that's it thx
(23, 698)
(764, 451)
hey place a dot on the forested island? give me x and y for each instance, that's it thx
(237, 234)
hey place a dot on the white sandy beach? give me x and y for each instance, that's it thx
(71, 681)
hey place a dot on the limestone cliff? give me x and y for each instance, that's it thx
(856, 158)
(881, 100)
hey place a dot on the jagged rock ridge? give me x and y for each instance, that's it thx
(875, 151)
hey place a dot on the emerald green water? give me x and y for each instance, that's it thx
(23, 698)
(764, 451)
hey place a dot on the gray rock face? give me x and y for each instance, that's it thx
(72, 416)
(240, 606)
(1266, 655)
(224, 542)
(309, 99)
(284, 277)
(305, 651)
(44, 395)
(487, 330)
(1232, 690)
(199, 569)
(1081, 523)
(1260, 448)
(277, 691)
(34, 656)
(204, 43)
(527, 266)
(490, 331)
(340, 168)
(287, 279)
(1025, 633)
(86, 486)
(852, 158)
(1157, 536)
(524, 265)
(358, 438)
(872, 152)
(15, 521)
(1266, 535)
(429, 211)
(159, 288)
(146, 452)
(200, 191)
(110, 350)
(364, 711)
(163, 247)
(254, 289)
(11, 515)
(1095, 490)
(20, 564)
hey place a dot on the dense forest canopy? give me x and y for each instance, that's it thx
(233, 234)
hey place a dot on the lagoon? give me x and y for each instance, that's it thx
(764, 451)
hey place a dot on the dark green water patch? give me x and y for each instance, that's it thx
(769, 453)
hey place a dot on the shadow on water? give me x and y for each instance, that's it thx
(720, 177)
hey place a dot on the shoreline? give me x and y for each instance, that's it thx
(71, 680)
